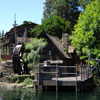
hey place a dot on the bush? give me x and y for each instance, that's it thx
(28, 81)
(35, 48)
(20, 78)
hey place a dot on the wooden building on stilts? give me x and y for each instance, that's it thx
(60, 70)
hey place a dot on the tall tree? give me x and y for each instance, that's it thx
(87, 31)
(53, 25)
(84, 3)
(66, 9)
(47, 8)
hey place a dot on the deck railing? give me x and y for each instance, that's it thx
(80, 73)
(85, 72)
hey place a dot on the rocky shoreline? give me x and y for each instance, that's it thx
(10, 86)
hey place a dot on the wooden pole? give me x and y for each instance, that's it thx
(89, 62)
(76, 77)
(57, 78)
(38, 76)
(15, 29)
(81, 72)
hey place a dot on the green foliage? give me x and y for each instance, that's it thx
(66, 9)
(35, 48)
(37, 30)
(20, 78)
(53, 25)
(84, 3)
(1, 60)
(56, 25)
(87, 31)
(28, 81)
(60, 8)
(47, 8)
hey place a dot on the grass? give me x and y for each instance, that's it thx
(24, 79)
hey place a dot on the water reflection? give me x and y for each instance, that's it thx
(29, 94)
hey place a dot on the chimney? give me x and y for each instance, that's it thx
(65, 40)
(25, 35)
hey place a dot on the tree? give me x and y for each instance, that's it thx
(37, 30)
(53, 25)
(87, 31)
(35, 48)
(47, 8)
(84, 3)
(66, 9)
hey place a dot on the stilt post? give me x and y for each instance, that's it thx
(57, 78)
(76, 77)
(38, 77)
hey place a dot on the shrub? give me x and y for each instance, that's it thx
(28, 81)
(35, 48)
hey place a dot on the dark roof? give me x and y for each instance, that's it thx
(19, 30)
(58, 44)
(21, 27)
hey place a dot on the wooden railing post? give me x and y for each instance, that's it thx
(38, 76)
(76, 77)
(57, 78)
(81, 72)
(89, 62)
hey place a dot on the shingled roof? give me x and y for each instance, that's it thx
(58, 44)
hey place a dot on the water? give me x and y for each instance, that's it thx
(29, 94)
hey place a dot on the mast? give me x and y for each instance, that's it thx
(15, 28)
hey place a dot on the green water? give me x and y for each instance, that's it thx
(29, 94)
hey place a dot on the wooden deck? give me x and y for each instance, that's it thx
(66, 81)
(52, 75)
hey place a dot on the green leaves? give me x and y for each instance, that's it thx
(53, 25)
(87, 31)
(35, 48)
(66, 9)
(37, 30)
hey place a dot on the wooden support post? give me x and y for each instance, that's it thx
(56, 95)
(87, 71)
(81, 72)
(56, 78)
(38, 77)
(89, 62)
(84, 72)
(76, 77)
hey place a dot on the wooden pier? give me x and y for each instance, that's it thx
(63, 76)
